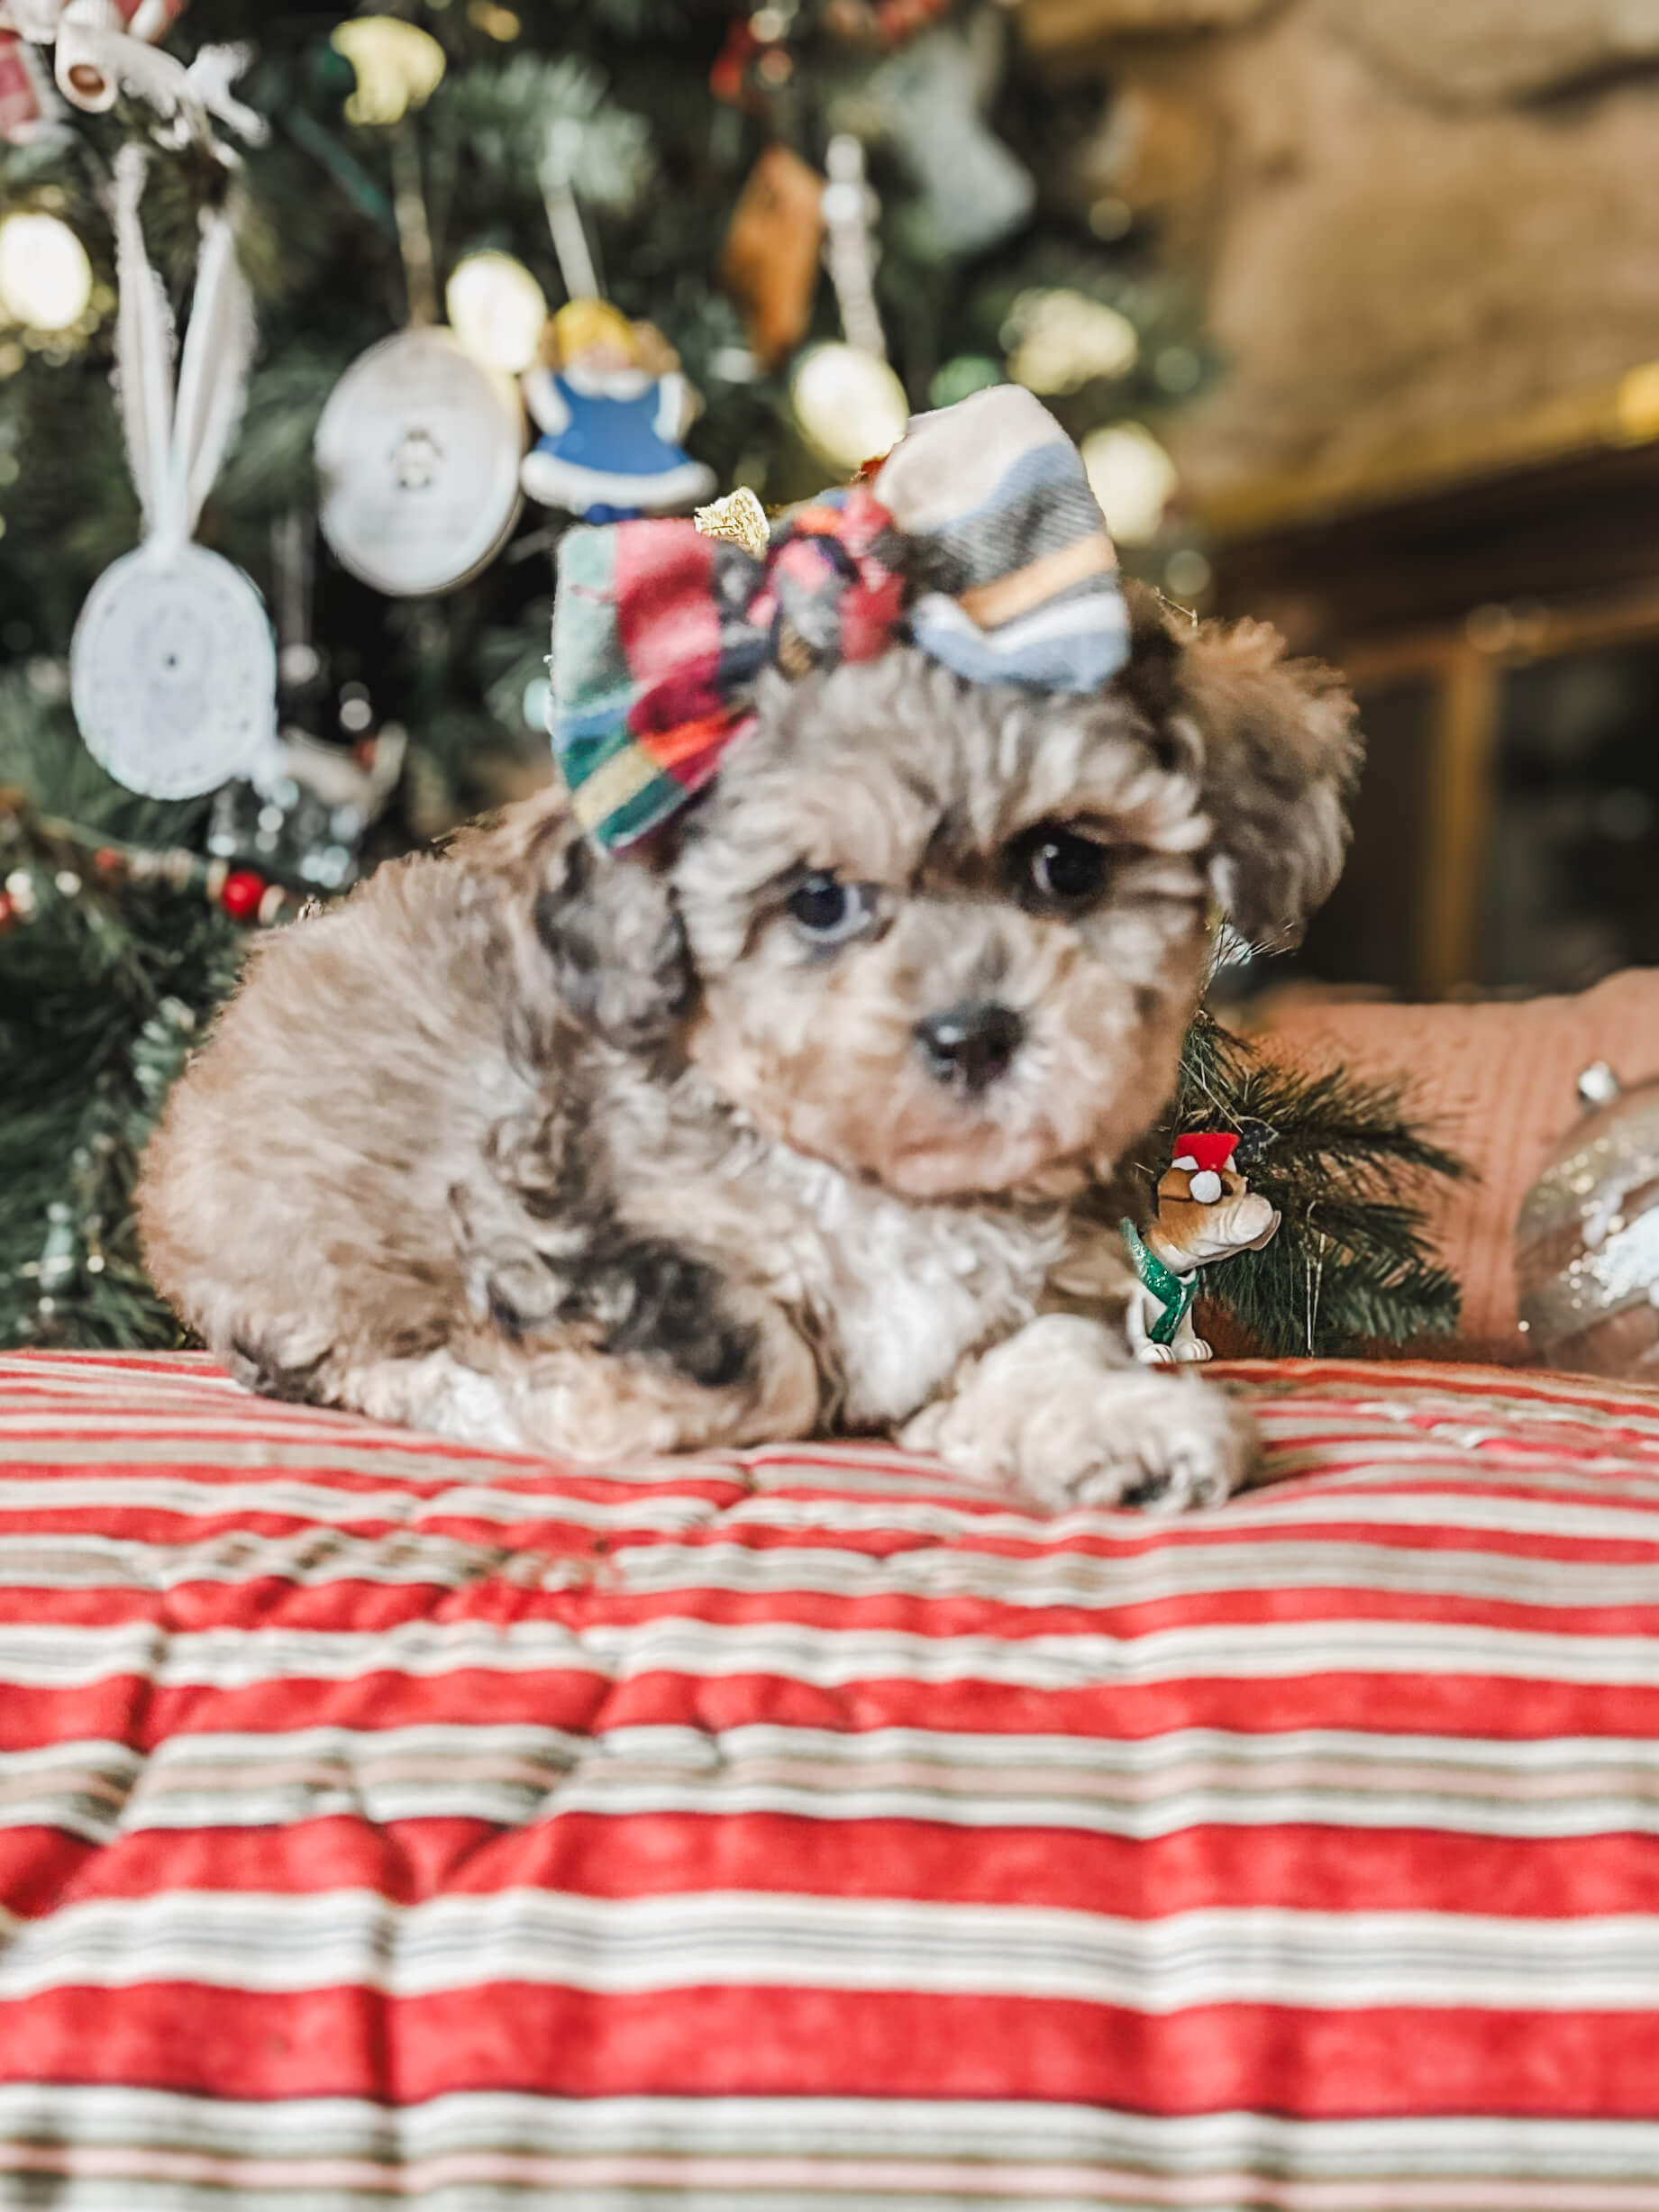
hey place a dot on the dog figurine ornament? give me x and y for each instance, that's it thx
(1206, 1213)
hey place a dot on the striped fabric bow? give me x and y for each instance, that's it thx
(980, 541)
(659, 633)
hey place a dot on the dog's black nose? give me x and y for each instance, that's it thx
(970, 1043)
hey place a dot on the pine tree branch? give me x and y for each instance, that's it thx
(1349, 1172)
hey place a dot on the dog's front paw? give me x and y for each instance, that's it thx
(1046, 1414)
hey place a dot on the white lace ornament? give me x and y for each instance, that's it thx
(173, 665)
(418, 451)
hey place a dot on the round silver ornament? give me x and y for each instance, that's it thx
(173, 672)
(418, 450)
(1586, 1240)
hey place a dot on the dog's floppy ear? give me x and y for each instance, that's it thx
(614, 935)
(603, 932)
(1282, 754)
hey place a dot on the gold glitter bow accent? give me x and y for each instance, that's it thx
(739, 518)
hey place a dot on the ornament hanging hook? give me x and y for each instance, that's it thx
(294, 568)
(849, 212)
(564, 217)
(414, 232)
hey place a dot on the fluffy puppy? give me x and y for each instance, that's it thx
(799, 1127)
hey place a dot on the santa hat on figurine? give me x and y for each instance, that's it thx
(1206, 1154)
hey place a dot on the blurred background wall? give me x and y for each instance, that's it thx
(1427, 238)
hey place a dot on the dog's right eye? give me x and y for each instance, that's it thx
(828, 912)
(1055, 870)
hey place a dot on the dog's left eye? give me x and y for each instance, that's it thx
(830, 911)
(1056, 870)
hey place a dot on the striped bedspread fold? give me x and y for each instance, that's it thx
(386, 1823)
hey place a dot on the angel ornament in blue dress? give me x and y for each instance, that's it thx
(612, 407)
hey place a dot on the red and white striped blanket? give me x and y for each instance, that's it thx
(385, 1822)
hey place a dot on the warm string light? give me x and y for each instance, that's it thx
(497, 310)
(851, 406)
(1060, 340)
(45, 277)
(1133, 479)
(111, 863)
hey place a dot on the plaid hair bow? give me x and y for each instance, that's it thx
(980, 541)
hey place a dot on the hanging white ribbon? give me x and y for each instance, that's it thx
(564, 217)
(848, 210)
(177, 443)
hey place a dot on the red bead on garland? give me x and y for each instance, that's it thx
(241, 893)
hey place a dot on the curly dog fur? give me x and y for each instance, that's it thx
(607, 1156)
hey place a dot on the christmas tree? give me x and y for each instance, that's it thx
(816, 215)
